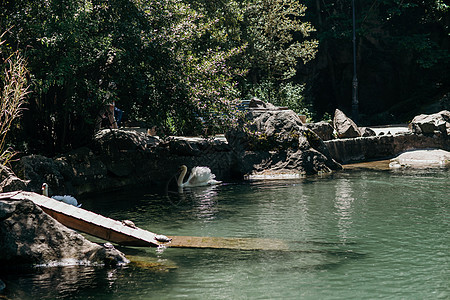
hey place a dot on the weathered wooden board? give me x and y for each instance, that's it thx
(115, 231)
(89, 222)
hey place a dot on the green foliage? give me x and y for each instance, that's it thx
(196, 81)
(14, 90)
(285, 94)
(163, 63)
(277, 39)
(182, 65)
(416, 41)
(327, 117)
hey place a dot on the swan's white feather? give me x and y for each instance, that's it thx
(67, 199)
(200, 176)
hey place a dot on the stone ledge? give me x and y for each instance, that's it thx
(382, 147)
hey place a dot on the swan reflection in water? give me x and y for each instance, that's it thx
(207, 203)
(200, 201)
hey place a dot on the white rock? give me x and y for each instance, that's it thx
(421, 159)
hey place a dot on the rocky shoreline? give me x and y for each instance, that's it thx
(272, 141)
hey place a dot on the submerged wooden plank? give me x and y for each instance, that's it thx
(227, 243)
(115, 231)
(378, 165)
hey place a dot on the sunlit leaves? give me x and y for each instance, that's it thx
(271, 25)
(12, 99)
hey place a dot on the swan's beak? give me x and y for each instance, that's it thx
(44, 187)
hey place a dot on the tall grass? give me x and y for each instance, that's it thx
(14, 90)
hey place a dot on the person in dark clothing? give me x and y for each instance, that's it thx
(118, 113)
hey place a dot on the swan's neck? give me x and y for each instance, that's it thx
(181, 177)
(45, 191)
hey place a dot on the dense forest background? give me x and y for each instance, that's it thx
(185, 65)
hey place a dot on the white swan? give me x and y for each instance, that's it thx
(66, 198)
(200, 176)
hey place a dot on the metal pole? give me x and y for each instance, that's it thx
(355, 78)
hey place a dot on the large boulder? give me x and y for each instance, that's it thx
(344, 126)
(257, 103)
(113, 142)
(9, 181)
(426, 158)
(275, 141)
(28, 236)
(438, 123)
(323, 129)
(366, 132)
(38, 169)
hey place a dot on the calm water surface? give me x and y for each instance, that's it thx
(354, 234)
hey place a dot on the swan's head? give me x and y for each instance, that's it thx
(183, 168)
(44, 189)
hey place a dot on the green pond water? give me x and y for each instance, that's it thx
(362, 234)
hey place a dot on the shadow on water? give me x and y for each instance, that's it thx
(57, 282)
(149, 267)
(343, 224)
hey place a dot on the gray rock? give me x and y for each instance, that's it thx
(366, 131)
(10, 182)
(39, 169)
(382, 147)
(28, 236)
(438, 123)
(323, 129)
(257, 103)
(275, 140)
(344, 126)
(183, 147)
(116, 141)
(427, 158)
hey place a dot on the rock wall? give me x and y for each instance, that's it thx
(119, 158)
(9, 181)
(382, 147)
(272, 140)
(426, 131)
